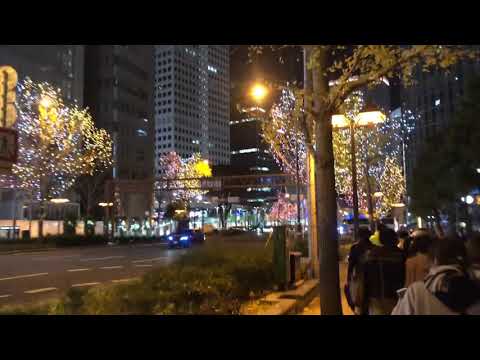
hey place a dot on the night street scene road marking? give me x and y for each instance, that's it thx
(23, 276)
(85, 284)
(38, 291)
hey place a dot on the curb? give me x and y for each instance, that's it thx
(289, 302)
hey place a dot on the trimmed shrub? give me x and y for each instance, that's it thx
(208, 280)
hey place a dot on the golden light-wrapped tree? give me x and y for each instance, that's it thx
(58, 143)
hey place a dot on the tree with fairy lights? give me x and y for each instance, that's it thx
(183, 175)
(57, 144)
(351, 68)
(375, 144)
(282, 211)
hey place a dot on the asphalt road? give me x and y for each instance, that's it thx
(30, 277)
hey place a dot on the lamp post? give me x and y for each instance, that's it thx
(107, 207)
(370, 116)
(61, 212)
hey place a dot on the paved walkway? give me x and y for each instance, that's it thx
(314, 307)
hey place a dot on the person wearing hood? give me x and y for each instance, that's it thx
(447, 289)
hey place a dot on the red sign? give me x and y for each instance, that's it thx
(8, 149)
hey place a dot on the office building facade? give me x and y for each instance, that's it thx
(191, 101)
(118, 88)
(431, 104)
(60, 65)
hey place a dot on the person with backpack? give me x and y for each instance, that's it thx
(448, 289)
(383, 273)
(355, 269)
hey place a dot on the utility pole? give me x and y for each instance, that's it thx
(311, 186)
(297, 165)
(354, 180)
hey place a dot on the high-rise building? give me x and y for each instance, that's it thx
(60, 65)
(118, 88)
(192, 101)
(117, 91)
(432, 103)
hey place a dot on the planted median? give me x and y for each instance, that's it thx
(214, 279)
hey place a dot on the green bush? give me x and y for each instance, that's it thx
(208, 280)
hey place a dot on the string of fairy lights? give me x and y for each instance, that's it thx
(175, 168)
(57, 142)
(379, 150)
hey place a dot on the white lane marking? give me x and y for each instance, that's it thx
(55, 258)
(104, 258)
(78, 270)
(86, 284)
(111, 267)
(5, 296)
(23, 276)
(147, 260)
(37, 291)
(125, 280)
(144, 265)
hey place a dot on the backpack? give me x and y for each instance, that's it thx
(357, 287)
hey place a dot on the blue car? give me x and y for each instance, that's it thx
(184, 239)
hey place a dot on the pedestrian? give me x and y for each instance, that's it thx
(473, 258)
(355, 271)
(403, 240)
(447, 289)
(418, 263)
(384, 272)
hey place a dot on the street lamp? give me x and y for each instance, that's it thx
(370, 116)
(259, 92)
(59, 201)
(107, 207)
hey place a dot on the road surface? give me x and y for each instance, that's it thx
(30, 277)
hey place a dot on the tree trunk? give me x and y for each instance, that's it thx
(330, 301)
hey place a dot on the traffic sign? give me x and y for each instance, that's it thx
(8, 84)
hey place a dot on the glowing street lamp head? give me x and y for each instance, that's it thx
(259, 92)
(59, 201)
(46, 102)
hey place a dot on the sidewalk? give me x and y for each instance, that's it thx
(314, 307)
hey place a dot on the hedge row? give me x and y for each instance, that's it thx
(209, 280)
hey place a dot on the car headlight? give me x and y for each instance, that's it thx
(184, 238)
(170, 238)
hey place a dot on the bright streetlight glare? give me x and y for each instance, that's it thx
(46, 102)
(59, 201)
(259, 92)
(478, 170)
(469, 199)
(104, 204)
(363, 119)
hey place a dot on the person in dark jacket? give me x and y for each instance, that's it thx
(384, 274)
(359, 248)
(355, 263)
